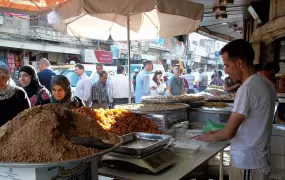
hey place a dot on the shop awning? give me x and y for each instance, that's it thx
(29, 6)
(97, 56)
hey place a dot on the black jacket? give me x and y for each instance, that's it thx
(10, 108)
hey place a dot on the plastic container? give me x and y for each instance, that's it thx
(186, 148)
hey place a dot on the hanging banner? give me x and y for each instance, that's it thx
(97, 56)
(104, 57)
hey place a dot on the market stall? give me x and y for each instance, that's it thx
(63, 140)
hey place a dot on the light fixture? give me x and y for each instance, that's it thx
(219, 9)
(226, 1)
(225, 23)
(221, 16)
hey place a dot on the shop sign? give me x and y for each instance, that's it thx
(98, 56)
(104, 57)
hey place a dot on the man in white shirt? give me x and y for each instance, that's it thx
(203, 80)
(119, 87)
(83, 86)
(190, 79)
(250, 124)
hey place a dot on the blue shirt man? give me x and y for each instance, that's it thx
(45, 75)
(176, 83)
(143, 81)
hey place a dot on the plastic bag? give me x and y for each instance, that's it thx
(212, 126)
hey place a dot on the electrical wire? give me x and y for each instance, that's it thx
(20, 16)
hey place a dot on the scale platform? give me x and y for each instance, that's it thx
(150, 164)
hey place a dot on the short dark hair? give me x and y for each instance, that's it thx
(80, 66)
(157, 81)
(257, 67)
(99, 64)
(120, 69)
(239, 49)
(146, 63)
(188, 70)
(219, 73)
(272, 66)
(101, 74)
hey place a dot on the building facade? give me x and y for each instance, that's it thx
(203, 52)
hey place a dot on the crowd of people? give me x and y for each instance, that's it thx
(34, 89)
(251, 116)
(46, 87)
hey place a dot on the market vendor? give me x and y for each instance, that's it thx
(250, 124)
(61, 93)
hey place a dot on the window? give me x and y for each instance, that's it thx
(202, 42)
(218, 46)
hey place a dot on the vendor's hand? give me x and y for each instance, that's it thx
(153, 88)
(210, 132)
(204, 137)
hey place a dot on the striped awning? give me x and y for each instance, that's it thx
(29, 6)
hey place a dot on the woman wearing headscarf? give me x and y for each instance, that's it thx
(29, 80)
(61, 93)
(13, 99)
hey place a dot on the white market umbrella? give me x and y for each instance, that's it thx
(126, 20)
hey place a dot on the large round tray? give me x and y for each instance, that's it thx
(162, 101)
(152, 112)
(52, 164)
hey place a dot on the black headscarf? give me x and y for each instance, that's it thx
(35, 84)
(68, 100)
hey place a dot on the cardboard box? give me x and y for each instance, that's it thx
(277, 162)
(87, 170)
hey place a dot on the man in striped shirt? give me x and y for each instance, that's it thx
(99, 92)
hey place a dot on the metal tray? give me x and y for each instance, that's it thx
(138, 143)
(163, 101)
(162, 111)
(62, 163)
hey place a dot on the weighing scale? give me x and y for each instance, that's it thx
(150, 163)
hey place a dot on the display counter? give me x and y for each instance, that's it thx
(185, 164)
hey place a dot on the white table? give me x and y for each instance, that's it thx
(184, 165)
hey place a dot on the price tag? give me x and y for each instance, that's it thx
(18, 173)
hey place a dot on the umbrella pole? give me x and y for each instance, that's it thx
(129, 57)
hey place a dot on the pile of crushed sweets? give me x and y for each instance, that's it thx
(39, 135)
